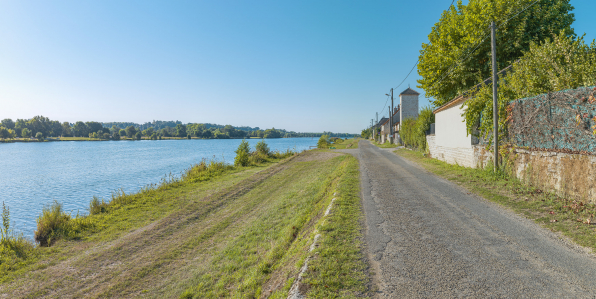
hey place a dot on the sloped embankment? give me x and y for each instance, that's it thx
(245, 234)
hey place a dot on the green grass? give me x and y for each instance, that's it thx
(238, 232)
(384, 145)
(564, 215)
(347, 144)
(339, 271)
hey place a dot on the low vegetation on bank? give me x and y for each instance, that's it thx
(384, 145)
(218, 231)
(570, 217)
(326, 142)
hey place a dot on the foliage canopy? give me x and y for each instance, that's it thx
(559, 63)
(465, 28)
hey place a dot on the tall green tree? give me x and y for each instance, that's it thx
(94, 126)
(66, 129)
(180, 130)
(25, 133)
(4, 134)
(8, 123)
(130, 131)
(80, 129)
(465, 28)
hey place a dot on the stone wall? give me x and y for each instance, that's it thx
(571, 175)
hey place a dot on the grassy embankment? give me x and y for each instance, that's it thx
(345, 143)
(384, 145)
(236, 232)
(567, 216)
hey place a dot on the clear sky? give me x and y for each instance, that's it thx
(307, 66)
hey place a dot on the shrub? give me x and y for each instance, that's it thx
(242, 154)
(242, 159)
(138, 135)
(407, 132)
(96, 206)
(323, 142)
(53, 224)
(262, 148)
(14, 248)
(283, 155)
(205, 170)
(257, 157)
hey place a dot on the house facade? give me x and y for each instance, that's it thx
(451, 142)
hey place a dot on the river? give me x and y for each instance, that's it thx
(32, 175)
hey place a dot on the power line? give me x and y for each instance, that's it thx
(415, 64)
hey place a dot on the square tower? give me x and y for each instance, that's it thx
(408, 104)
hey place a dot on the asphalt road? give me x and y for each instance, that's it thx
(429, 238)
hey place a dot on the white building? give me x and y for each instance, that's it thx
(451, 142)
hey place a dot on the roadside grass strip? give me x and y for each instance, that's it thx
(347, 144)
(338, 268)
(573, 218)
(384, 145)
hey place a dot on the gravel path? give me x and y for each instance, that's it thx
(429, 238)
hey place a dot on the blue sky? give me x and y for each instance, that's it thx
(305, 66)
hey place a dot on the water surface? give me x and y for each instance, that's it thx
(32, 175)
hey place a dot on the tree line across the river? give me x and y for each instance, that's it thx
(42, 127)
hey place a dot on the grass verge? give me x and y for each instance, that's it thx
(570, 217)
(346, 144)
(384, 145)
(339, 269)
(244, 232)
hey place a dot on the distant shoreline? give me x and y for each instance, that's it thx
(51, 139)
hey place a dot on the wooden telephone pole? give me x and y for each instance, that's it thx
(493, 34)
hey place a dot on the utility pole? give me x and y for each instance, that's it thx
(493, 34)
(391, 117)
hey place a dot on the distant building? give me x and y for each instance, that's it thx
(408, 104)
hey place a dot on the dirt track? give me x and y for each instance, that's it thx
(429, 238)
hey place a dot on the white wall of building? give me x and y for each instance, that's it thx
(450, 129)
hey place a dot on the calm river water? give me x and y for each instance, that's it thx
(32, 175)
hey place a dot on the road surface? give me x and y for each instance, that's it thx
(429, 238)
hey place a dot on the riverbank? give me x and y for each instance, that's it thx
(242, 233)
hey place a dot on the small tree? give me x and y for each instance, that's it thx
(242, 152)
(323, 142)
(39, 135)
(138, 135)
(262, 148)
(122, 133)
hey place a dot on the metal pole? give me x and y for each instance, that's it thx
(495, 97)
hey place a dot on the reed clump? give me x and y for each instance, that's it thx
(14, 248)
(54, 223)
